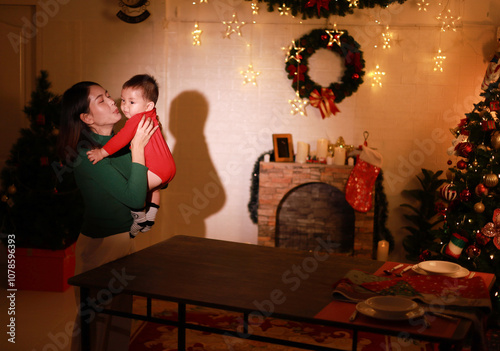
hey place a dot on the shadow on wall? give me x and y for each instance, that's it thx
(196, 192)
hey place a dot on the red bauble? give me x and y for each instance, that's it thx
(461, 164)
(463, 149)
(481, 190)
(465, 195)
(473, 251)
(449, 162)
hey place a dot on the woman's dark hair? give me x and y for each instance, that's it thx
(73, 132)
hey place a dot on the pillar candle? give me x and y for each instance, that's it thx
(339, 156)
(267, 158)
(322, 148)
(383, 250)
(329, 160)
(302, 152)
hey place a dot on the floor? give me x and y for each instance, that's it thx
(43, 320)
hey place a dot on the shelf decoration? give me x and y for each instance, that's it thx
(323, 8)
(325, 98)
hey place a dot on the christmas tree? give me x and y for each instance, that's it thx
(40, 203)
(470, 234)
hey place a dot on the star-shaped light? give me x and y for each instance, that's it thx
(297, 57)
(377, 76)
(233, 26)
(250, 76)
(353, 3)
(298, 105)
(386, 38)
(335, 35)
(255, 8)
(196, 35)
(447, 21)
(284, 10)
(438, 61)
(422, 5)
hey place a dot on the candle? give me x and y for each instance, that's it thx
(382, 250)
(267, 158)
(302, 152)
(329, 160)
(339, 156)
(350, 161)
(322, 148)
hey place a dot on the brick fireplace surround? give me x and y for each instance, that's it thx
(276, 179)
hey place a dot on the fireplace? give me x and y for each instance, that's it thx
(300, 204)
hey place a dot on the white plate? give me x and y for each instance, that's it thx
(461, 273)
(439, 267)
(394, 305)
(363, 308)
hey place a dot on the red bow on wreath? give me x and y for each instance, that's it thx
(297, 72)
(319, 4)
(325, 102)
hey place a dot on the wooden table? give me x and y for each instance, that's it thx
(256, 281)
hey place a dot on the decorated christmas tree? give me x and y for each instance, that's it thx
(40, 203)
(470, 198)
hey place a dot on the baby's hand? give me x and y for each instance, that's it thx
(95, 155)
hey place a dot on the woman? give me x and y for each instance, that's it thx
(110, 189)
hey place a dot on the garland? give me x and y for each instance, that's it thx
(339, 42)
(324, 8)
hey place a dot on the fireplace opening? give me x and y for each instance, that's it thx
(315, 211)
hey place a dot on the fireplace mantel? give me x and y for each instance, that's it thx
(276, 179)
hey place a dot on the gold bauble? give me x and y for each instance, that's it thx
(491, 180)
(495, 140)
(479, 207)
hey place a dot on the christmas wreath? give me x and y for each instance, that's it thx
(324, 8)
(339, 42)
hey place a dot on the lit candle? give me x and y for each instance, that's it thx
(383, 250)
(339, 156)
(322, 148)
(302, 152)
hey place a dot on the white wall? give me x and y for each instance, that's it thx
(217, 127)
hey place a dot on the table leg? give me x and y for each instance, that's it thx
(84, 324)
(354, 340)
(181, 329)
(245, 323)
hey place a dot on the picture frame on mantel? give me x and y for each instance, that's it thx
(283, 147)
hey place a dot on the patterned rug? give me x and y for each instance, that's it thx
(147, 336)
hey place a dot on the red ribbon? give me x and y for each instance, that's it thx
(324, 101)
(319, 4)
(297, 73)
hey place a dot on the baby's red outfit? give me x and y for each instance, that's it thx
(159, 160)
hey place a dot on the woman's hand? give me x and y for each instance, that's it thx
(145, 130)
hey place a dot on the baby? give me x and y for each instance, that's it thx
(138, 98)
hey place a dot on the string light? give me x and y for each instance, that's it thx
(334, 36)
(250, 76)
(298, 105)
(438, 60)
(386, 39)
(377, 76)
(353, 3)
(283, 10)
(255, 8)
(196, 35)
(422, 5)
(447, 21)
(233, 26)
(297, 57)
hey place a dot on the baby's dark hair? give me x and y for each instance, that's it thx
(145, 82)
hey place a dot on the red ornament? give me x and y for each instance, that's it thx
(481, 190)
(44, 161)
(297, 72)
(441, 208)
(465, 195)
(463, 149)
(424, 255)
(461, 164)
(449, 162)
(355, 76)
(448, 192)
(473, 251)
(324, 37)
(488, 125)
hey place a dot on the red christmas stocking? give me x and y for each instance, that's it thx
(359, 188)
